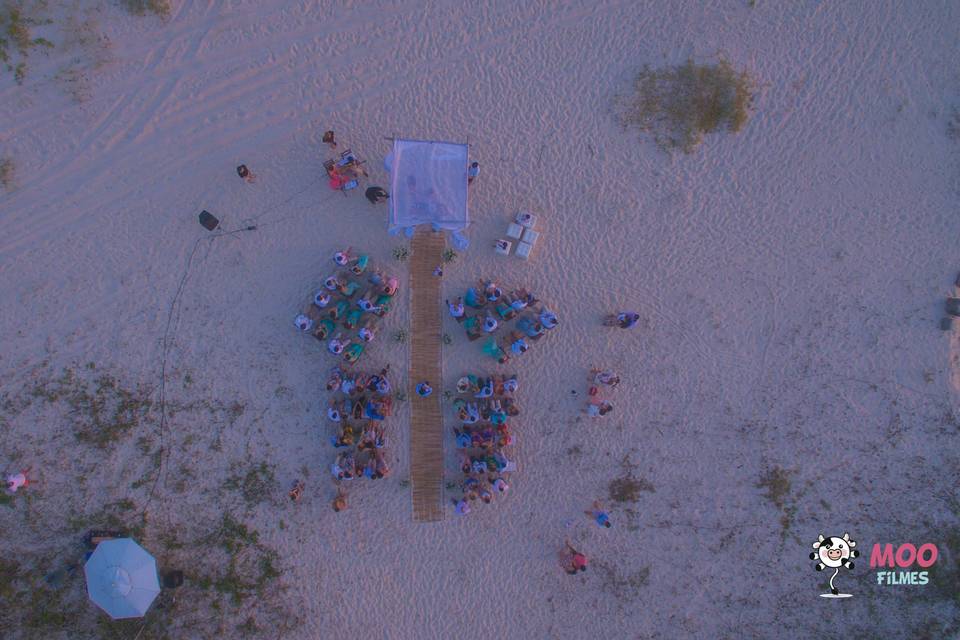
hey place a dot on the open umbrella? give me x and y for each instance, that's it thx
(122, 578)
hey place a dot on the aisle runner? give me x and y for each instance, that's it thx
(426, 422)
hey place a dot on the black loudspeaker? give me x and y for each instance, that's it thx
(208, 220)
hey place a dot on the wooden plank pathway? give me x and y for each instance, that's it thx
(426, 420)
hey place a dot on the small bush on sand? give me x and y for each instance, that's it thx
(8, 174)
(679, 105)
(142, 7)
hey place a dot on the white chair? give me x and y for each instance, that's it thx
(525, 219)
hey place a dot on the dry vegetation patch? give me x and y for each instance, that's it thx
(679, 105)
(8, 174)
(143, 7)
(98, 460)
(17, 18)
(627, 487)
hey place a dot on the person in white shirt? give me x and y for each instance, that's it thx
(461, 508)
(321, 299)
(16, 481)
(490, 324)
(366, 334)
(333, 412)
(501, 486)
(335, 346)
(548, 318)
(342, 257)
(303, 323)
(598, 410)
(456, 308)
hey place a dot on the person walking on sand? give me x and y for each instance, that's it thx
(599, 515)
(376, 194)
(472, 172)
(328, 139)
(624, 319)
(423, 389)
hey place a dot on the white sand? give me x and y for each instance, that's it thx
(790, 280)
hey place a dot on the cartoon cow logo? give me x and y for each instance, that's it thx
(833, 553)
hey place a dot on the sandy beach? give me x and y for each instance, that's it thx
(788, 376)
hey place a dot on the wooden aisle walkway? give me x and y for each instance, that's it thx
(426, 421)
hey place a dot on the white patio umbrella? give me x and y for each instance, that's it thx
(122, 578)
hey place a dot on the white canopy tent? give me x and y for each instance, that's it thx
(428, 182)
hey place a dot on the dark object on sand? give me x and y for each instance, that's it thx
(208, 220)
(242, 171)
(376, 194)
(946, 323)
(957, 281)
(96, 536)
(328, 139)
(171, 579)
(953, 306)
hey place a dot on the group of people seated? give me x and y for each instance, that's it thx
(360, 404)
(597, 407)
(484, 406)
(486, 309)
(351, 299)
(344, 174)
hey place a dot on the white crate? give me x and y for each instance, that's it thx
(503, 247)
(514, 231)
(530, 236)
(524, 249)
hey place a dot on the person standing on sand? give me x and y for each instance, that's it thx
(472, 172)
(340, 502)
(376, 194)
(328, 139)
